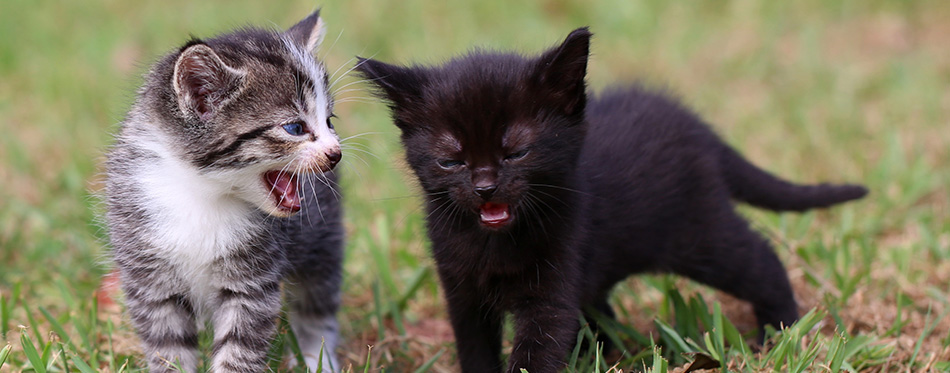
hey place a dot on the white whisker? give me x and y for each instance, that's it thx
(362, 101)
(357, 157)
(367, 152)
(332, 76)
(342, 91)
(316, 198)
(349, 84)
(350, 70)
(303, 203)
(360, 135)
(327, 51)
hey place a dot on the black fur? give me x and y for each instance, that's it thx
(612, 185)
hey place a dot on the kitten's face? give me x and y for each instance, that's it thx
(491, 136)
(254, 112)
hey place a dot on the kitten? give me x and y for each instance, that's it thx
(541, 198)
(218, 188)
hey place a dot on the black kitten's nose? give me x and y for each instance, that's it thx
(485, 191)
(334, 157)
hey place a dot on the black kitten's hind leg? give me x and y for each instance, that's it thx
(600, 309)
(737, 260)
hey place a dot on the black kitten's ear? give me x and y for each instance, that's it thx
(309, 32)
(560, 71)
(203, 82)
(400, 85)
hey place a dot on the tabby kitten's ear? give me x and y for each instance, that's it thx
(560, 72)
(309, 32)
(203, 82)
(400, 85)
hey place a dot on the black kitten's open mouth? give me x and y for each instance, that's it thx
(494, 215)
(282, 186)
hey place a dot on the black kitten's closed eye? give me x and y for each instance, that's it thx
(450, 163)
(517, 155)
(295, 128)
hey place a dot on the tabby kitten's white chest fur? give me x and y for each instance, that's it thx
(218, 188)
(194, 222)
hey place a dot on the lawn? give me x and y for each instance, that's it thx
(812, 90)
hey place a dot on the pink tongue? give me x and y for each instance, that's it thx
(494, 212)
(284, 189)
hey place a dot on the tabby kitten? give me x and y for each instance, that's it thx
(218, 188)
(541, 198)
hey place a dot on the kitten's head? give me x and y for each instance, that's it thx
(495, 133)
(251, 109)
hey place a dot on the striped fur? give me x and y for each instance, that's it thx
(198, 236)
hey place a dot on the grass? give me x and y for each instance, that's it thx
(813, 90)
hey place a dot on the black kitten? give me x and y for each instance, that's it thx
(539, 201)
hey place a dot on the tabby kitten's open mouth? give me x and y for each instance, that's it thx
(494, 215)
(282, 186)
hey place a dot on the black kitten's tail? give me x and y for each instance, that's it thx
(751, 184)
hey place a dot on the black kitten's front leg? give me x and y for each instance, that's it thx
(477, 328)
(545, 331)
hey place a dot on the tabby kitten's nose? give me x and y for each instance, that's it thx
(334, 157)
(485, 191)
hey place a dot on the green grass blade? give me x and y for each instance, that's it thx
(660, 364)
(113, 363)
(928, 328)
(379, 251)
(572, 363)
(4, 353)
(417, 280)
(428, 364)
(66, 294)
(7, 304)
(718, 349)
(5, 309)
(369, 354)
(672, 338)
(30, 351)
(57, 327)
(606, 326)
(378, 311)
(323, 345)
(84, 333)
(277, 347)
(685, 320)
(62, 354)
(836, 352)
(125, 367)
(47, 353)
(397, 320)
(899, 320)
(734, 337)
(295, 345)
(33, 324)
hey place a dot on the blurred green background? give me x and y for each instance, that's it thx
(812, 90)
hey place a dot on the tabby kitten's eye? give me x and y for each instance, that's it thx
(450, 163)
(295, 128)
(517, 155)
(329, 122)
